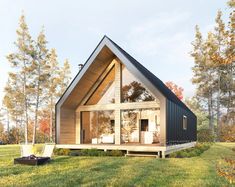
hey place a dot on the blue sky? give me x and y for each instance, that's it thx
(157, 33)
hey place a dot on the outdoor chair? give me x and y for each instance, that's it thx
(48, 150)
(26, 150)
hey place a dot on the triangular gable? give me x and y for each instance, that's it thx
(155, 85)
(106, 42)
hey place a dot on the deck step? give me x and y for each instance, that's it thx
(141, 155)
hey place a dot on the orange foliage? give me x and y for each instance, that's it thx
(44, 123)
(177, 90)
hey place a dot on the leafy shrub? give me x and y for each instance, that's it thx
(205, 135)
(226, 169)
(61, 151)
(191, 152)
(90, 152)
(115, 153)
(87, 152)
(227, 133)
(75, 153)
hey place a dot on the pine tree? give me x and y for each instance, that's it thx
(64, 76)
(52, 87)
(40, 76)
(203, 73)
(21, 61)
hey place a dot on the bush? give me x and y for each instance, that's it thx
(227, 133)
(205, 135)
(61, 151)
(191, 152)
(75, 153)
(226, 169)
(233, 149)
(87, 152)
(116, 153)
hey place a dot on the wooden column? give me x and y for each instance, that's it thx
(163, 121)
(118, 82)
(78, 128)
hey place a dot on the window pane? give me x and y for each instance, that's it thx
(185, 122)
(98, 127)
(133, 89)
(105, 92)
(140, 126)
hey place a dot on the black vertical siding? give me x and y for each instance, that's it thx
(175, 133)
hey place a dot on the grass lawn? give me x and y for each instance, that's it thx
(115, 171)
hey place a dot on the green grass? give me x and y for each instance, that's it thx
(116, 171)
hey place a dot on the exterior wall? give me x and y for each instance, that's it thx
(67, 126)
(174, 125)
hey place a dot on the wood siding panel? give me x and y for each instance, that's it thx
(67, 126)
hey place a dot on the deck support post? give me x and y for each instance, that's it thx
(163, 154)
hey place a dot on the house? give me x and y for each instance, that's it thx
(114, 102)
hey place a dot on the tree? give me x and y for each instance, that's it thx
(57, 82)
(213, 71)
(178, 91)
(135, 92)
(203, 72)
(231, 3)
(195, 105)
(21, 61)
(35, 82)
(40, 75)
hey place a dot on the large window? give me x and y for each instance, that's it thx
(97, 127)
(140, 126)
(133, 90)
(105, 92)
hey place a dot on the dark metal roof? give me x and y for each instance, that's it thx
(153, 79)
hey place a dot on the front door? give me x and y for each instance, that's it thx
(146, 136)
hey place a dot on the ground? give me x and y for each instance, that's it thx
(115, 171)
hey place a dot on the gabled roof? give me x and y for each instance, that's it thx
(119, 52)
(152, 78)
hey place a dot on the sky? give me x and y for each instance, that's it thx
(156, 33)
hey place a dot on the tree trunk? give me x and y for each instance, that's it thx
(25, 106)
(51, 120)
(37, 105)
(218, 110)
(210, 112)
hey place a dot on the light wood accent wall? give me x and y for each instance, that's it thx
(67, 126)
(118, 84)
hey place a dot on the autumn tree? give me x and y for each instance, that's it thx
(40, 76)
(177, 90)
(57, 82)
(213, 71)
(21, 61)
(35, 82)
(135, 92)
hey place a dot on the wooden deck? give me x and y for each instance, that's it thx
(161, 150)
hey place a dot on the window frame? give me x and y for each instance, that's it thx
(185, 122)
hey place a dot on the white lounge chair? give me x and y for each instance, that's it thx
(48, 150)
(26, 150)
